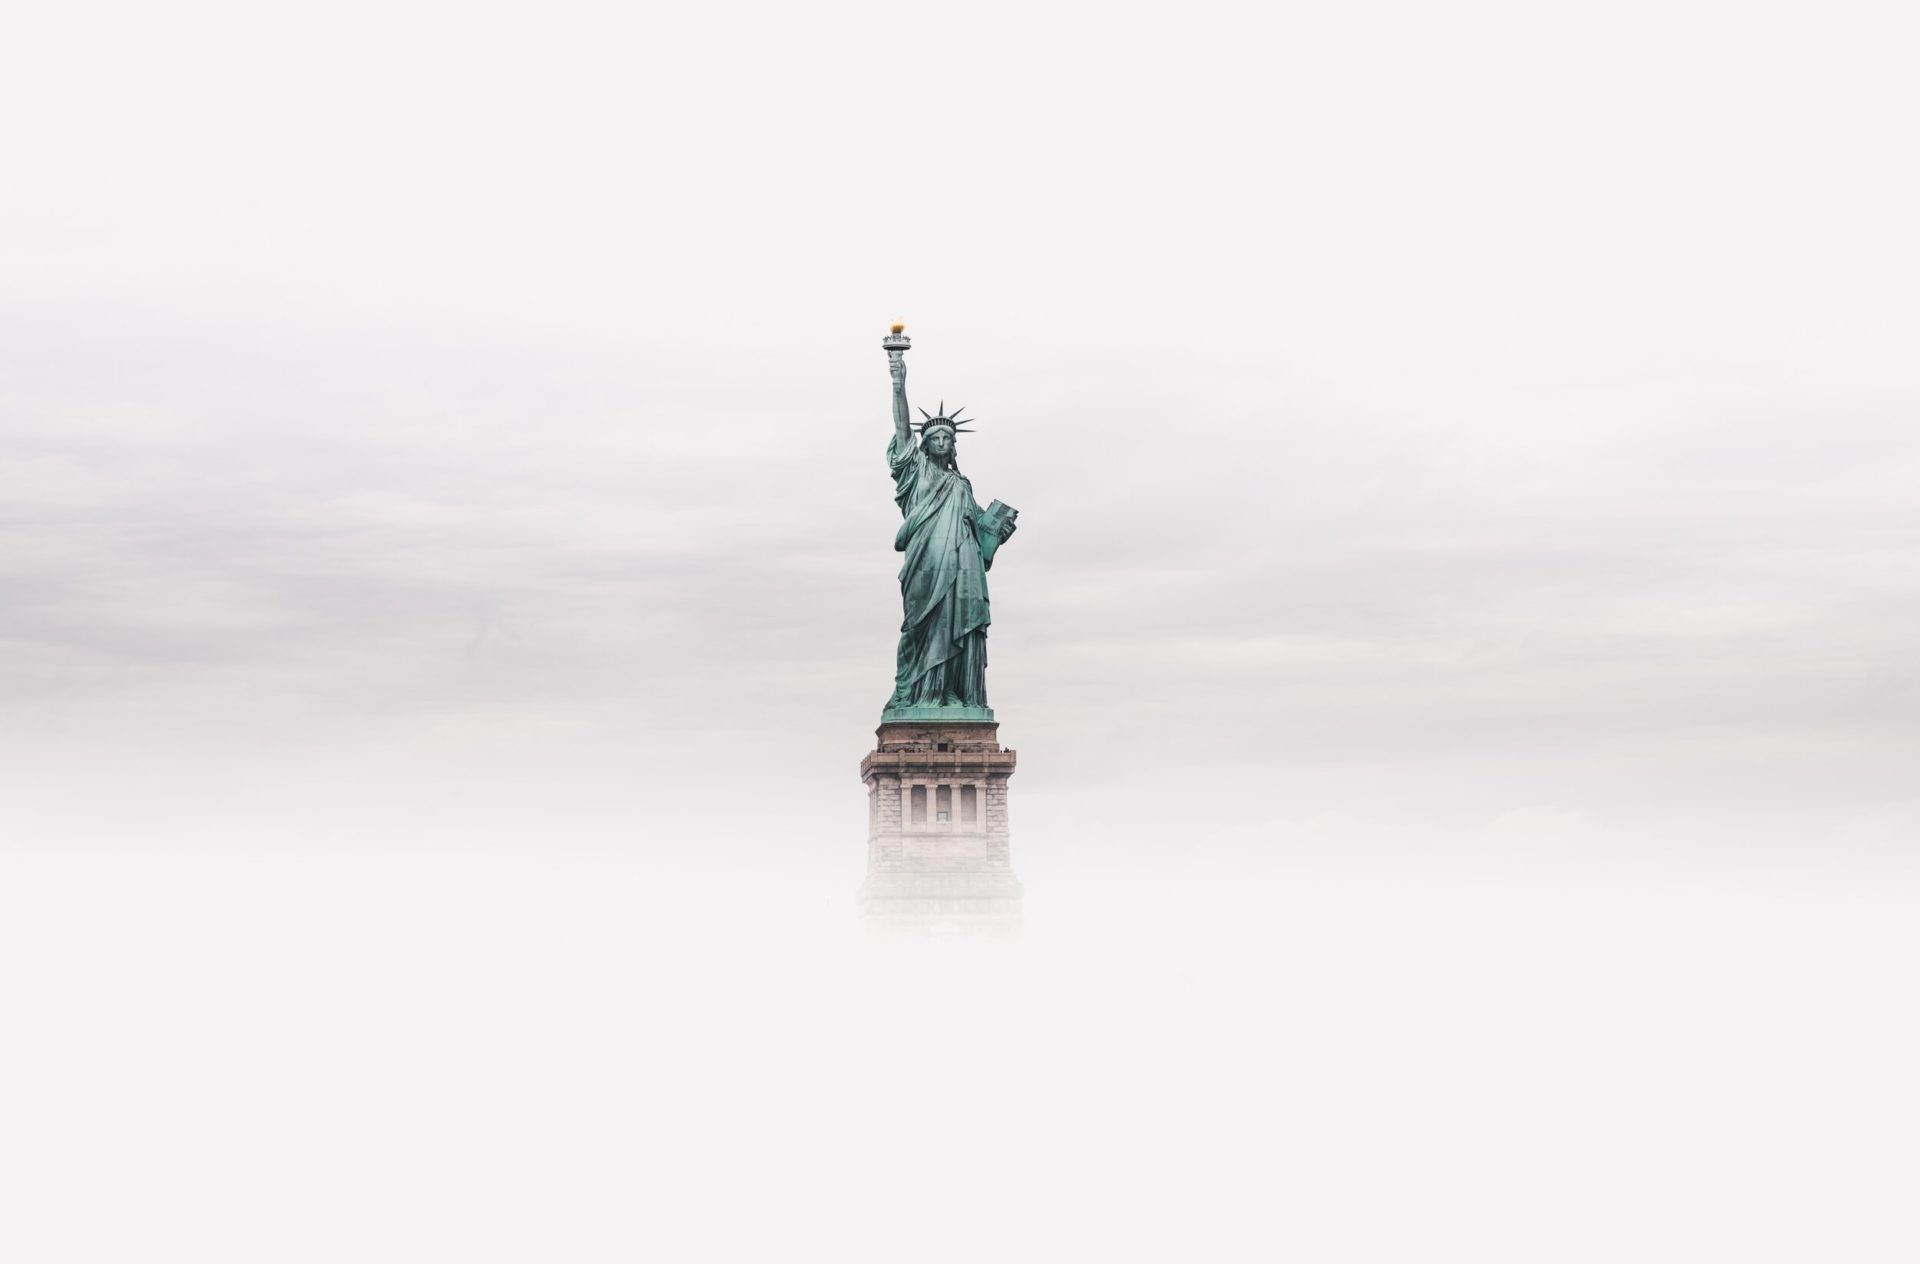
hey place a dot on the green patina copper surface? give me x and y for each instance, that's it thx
(949, 541)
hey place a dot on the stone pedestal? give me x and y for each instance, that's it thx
(937, 843)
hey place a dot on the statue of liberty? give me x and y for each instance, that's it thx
(949, 542)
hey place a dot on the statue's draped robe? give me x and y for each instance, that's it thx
(943, 584)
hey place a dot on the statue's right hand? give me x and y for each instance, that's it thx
(897, 365)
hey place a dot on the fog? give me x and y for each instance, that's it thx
(1459, 641)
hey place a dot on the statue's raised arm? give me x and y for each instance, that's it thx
(896, 344)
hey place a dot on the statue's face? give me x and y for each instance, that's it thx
(940, 442)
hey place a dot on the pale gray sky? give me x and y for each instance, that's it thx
(1460, 640)
(1518, 411)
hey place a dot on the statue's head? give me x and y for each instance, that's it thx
(938, 432)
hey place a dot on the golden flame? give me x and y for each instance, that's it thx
(899, 327)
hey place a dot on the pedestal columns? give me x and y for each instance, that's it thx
(931, 872)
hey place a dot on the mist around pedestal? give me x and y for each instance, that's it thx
(1458, 646)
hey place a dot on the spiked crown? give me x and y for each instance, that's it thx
(936, 420)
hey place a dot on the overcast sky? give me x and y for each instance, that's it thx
(1451, 412)
(1460, 642)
